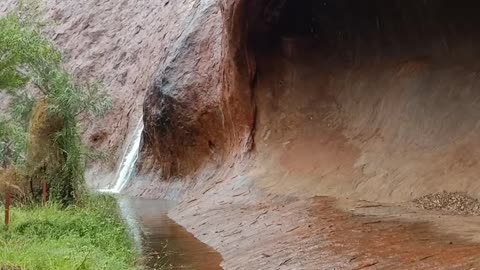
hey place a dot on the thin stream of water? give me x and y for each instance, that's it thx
(129, 161)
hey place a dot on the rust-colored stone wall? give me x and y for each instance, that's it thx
(335, 99)
(199, 109)
(368, 101)
(252, 109)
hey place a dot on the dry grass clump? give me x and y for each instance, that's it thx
(12, 181)
(43, 155)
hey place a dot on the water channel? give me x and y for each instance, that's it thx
(164, 243)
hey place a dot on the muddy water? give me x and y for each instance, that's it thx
(165, 244)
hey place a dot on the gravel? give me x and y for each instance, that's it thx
(458, 203)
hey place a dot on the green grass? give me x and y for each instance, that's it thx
(91, 236)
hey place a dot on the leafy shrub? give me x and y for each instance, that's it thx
(40, 135)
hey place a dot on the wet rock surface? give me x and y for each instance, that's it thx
(291, 115)
(334, 117)
(287, 233)
(183, 112)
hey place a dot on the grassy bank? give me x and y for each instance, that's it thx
(90, 235)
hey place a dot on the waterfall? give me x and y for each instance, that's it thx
(129, 160)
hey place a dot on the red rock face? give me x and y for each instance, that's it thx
(197, 111)
(254, 108)
(292, 100)
(342, 98)
(183, 110)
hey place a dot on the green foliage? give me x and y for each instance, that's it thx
(88, 236)
(30, 66)
(13, 141)
(41, 128)
(24, 54)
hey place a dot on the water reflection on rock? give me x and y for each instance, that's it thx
(165, 244)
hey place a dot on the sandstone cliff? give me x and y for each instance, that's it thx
(253, 110)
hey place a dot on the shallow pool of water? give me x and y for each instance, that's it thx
(165, 244)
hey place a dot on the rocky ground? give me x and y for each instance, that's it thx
(450, 202)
